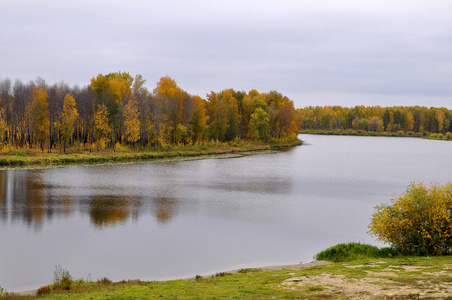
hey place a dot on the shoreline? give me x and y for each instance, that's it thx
(145, 161)
(353, 132)
(58, 160)
(402, 277)
(33, 292)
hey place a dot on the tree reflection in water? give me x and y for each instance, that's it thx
(110, 210)
(24, 197)
(3, 203)
(164, 209)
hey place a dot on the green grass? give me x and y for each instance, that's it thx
(18, 153)
(431, 277)
(354, 251)
(249, 285)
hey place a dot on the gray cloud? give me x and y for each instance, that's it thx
(392, 49)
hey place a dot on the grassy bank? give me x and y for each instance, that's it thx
(81, 155)
(388, 278)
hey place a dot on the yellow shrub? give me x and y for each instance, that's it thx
(418, 221)
(121, 147)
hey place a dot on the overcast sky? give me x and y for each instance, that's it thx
(336, 52)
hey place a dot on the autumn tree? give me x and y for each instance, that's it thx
(232, 131)
(439, 117)
(375, 124)
(68, 117)
(141, 94)
(112, 90)
(418, 221)
(39, 115)
(3, 126)
(198, 120)
(169, 99)
(103, 129)
(85, 106)
(217, 110)
(6, 105)
(57, 94)
(246, 108)
(259, 124)
(408, 120)
(20, 124)
(132, 122)
(283, 122)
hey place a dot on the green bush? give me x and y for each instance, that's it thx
(353, 251)
(18, 153)
(449, 135)
(417, 222)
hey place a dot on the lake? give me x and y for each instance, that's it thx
(169, 220)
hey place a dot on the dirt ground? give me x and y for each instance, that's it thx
(387, 283)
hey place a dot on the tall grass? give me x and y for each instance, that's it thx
(354, 251)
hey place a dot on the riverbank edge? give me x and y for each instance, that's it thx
(353, 132)
(402, 277)
(56, 160)
(299, 266)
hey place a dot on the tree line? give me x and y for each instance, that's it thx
(118, 108)
(400, 119)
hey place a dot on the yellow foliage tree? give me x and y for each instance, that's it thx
(102, 126)
(39, 115)
(439, 117)
(3, 126)
(218, 116)
(68, 117)
(198, 120)
(132, 122)
(112, 90)
(418, 221)
(181, 135)
(170, 103)
(259, 125)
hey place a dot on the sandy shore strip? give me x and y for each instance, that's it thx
(267, 268)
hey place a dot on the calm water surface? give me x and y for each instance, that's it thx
(179, 219)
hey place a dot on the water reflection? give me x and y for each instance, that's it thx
(113, 195)
(107, 211)
(164, 208)
(32, 196)
(3, 210)
(25, 198)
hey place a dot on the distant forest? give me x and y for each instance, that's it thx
(117, 108)
(376, 119)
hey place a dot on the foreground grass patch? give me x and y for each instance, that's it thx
(381, 278)
(254, 284)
